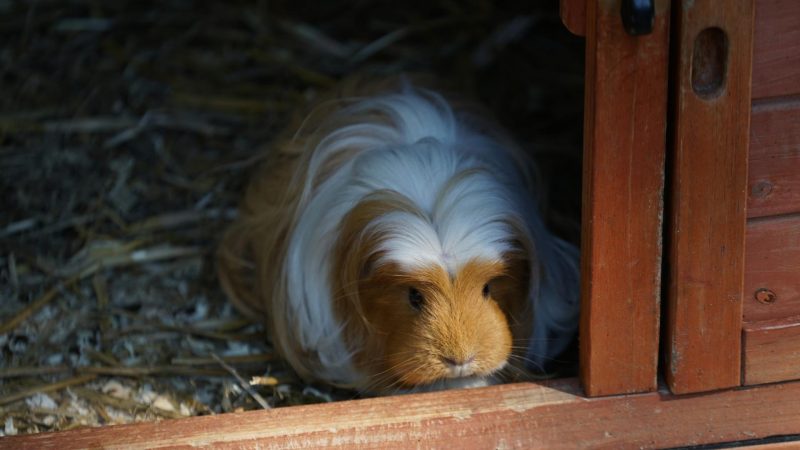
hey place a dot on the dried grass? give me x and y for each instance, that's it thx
(127, 130)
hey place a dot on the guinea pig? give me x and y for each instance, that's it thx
(392, 241)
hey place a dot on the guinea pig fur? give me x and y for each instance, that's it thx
(393, 242)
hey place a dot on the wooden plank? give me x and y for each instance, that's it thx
(772, 266)
(772, 351)
(776, 48)
(709, 192)
(573, 15)
(623, 182)
(508, 416)
(774, 161)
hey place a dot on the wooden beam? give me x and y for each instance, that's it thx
(709, 181)
(772, 269)
(774, 161)
(623, 182)
(776, 48)
(521, 415)
(771, 351)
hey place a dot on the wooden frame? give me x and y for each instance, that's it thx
(626, 89)
(553, 415)
(573, 15)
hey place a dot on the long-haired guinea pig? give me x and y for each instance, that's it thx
(392, 242)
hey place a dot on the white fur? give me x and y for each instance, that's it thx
(467, 182)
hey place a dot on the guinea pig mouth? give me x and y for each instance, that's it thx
(468, 369)
(472, 379)
(463, 370)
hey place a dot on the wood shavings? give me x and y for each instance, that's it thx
(263, 381)
(35, 306)
(47, 387)
(242, 383)
(41, 401)
(9, 428)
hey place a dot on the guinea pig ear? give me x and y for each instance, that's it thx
(556, 301)
(357, 255)
(353, 266)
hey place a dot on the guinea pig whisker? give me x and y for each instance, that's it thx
(523, 372)
(416, 360)
(511, 368)
(526, 360)
(539, 339)
(518, 346)
(389, 373)
(384, 383)
(513, 373)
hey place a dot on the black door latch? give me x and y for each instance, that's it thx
(638, 16)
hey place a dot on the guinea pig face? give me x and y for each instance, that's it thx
(435, 325)
(413, 315)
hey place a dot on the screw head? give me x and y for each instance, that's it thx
(765, 296)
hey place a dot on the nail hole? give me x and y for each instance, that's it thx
(765, 296)
(709, 63)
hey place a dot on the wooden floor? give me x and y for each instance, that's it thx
(524, 415)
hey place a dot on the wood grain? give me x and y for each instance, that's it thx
(772, 261)
(776, 55)
(709, 192)
(623, 182)
(509, 416)
(772, 351)
(573, 15)
(774, 161)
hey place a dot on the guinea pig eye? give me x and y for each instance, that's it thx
(485, 290)
(415, 299)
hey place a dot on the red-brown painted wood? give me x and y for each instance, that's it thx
(776, 56)
(772, 351)
(573, 15)
(772, 265)
(623, 181)
(709, 191)
(521, 415)
(774, 161)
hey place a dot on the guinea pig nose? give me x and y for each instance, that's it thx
(456, 362)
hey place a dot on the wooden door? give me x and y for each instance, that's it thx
(733, 313)
(706, 227)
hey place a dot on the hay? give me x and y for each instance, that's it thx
(127, 131)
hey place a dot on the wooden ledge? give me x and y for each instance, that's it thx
(525, 415)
